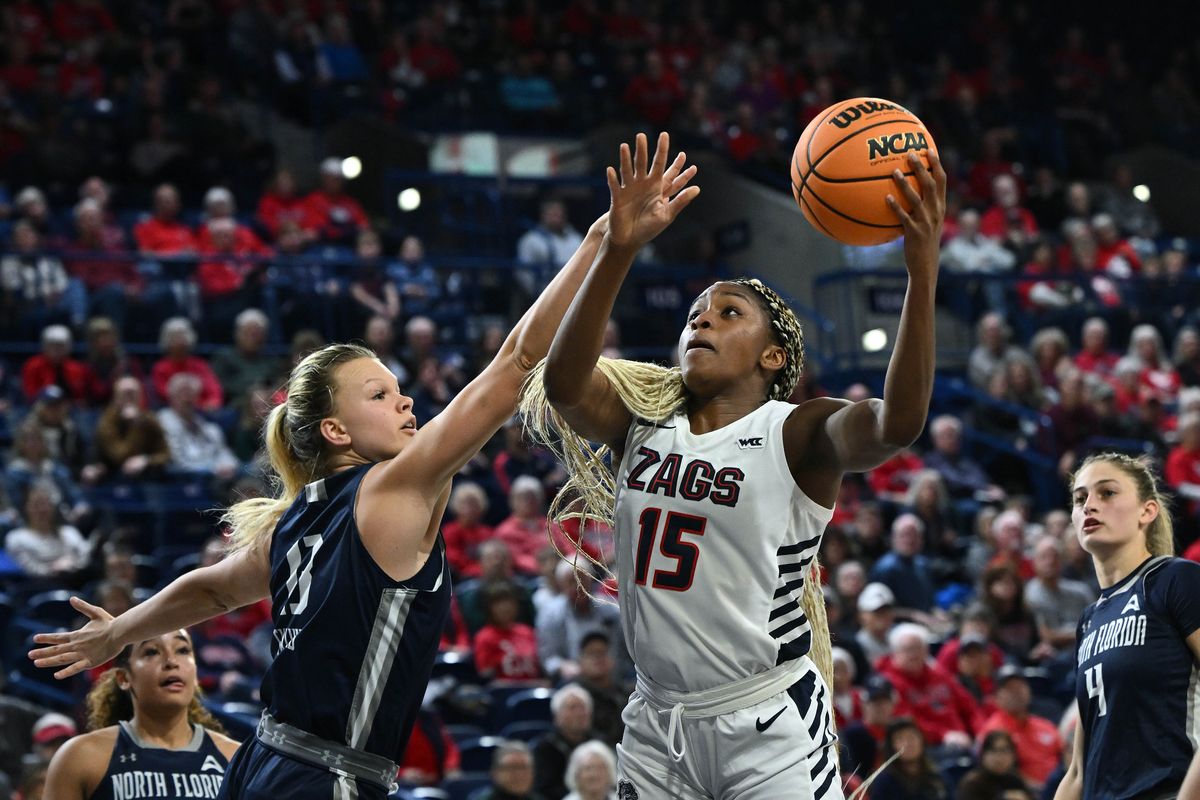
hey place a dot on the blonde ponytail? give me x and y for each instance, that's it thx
(293, 443)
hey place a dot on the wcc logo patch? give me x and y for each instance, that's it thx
(625, 791)
(751, 443)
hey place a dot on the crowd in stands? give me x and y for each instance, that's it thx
(141, 300)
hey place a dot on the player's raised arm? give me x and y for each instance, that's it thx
(238, 580)
(860, 436)
(647, 195)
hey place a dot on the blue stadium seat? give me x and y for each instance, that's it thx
(531, 705)
(462, 787)
(39, 685)
(498, 696)
(476, 754)
(526, 731)
(48, 610)
(464, 733)
(240, 719)
(459, 666)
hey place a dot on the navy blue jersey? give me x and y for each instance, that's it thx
(1137, 684)
(136, 771)
(353, 649)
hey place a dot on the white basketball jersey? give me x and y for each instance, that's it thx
(713, 541)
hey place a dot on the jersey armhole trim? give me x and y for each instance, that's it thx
(810, 506)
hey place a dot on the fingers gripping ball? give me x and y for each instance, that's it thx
(842, 168)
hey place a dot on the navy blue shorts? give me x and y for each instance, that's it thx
(259, 773)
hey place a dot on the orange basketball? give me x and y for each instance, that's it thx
(842, 168)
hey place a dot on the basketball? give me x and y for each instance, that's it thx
(842, 168)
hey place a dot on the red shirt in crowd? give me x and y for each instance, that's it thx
(1121, 249)
(524, 538)
(893, 476)
(430, 754)
(239, 623)
(507, 654)
(211, 394)
(1183, 466)
(938, 703)
(245, 242)
(333, 216)
(164, 238)
(1101, 365)
(1038, 743)
(462, 546)
(39, 372)
(1162, 382)
(275, 209)
(947, 657)
(994, 222)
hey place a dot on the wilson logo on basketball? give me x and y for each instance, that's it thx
(846, 116)
(894, 144)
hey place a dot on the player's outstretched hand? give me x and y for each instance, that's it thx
(647, 194)
(75, 651)
(923, 224)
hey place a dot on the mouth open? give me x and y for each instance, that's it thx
(1091, 525)
(697, 345)
(173, 682)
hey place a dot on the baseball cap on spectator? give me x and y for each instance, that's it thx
(1008, 671)
(53, 726)
(331, 166)
(592, 636)
(878, 688)
(51, 394)
(972, 640)
(30, 195)
(875, 596)
(218, 194)
(56, 333)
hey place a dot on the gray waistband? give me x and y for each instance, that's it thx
(337, 758)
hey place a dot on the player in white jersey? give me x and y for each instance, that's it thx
(719, 492)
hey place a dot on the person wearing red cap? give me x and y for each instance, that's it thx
(50, 732)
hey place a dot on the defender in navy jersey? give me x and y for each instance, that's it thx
(1137, 679)
(150, 737)
(719, 493)
(350, 555)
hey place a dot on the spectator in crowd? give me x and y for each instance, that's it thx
(849, 580)
(1046, 289)
(197, 445)
(228, 277)
(280, 204)
(1056, 602)
(597, 674)
(505, 650)
(864, 738)
(372, 292)
(1025, 383)
(1002, 590)
(992, 334)
(1094, 358)
(44, 546)
(876, 616)
(519, 458)
(52, 413)
(1114, 254)
(495, 567)
(1038, 744)
(1186, 356)
(572, 709)
(431, 755)
(890, 481)
(50, 733)
(98, 257)
(905, 570)
(245, 364)
(107, 361)
(176, 340)
(867, 531)
(973, 667)
(334, 216)
(415, 278)
(946, 712)
(547, 582)
(977, 621)
(964, 478)
(465, 533)
(31, 462)
(928, 500)
(130, 442)
(1073, 422)
(253, 408)
(54, 366)
(31, 206)
(996, 776)
(912, 776)
(162, 234)
(971, 253)
(36, 288)
(847, 698)
(592, 772)
(512, 773)
(546, 247)
(524, 531)
(220, 205)
(380, 336)
(1158, 378)
(562, 626)
(1006, 219)
(1049, 348)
